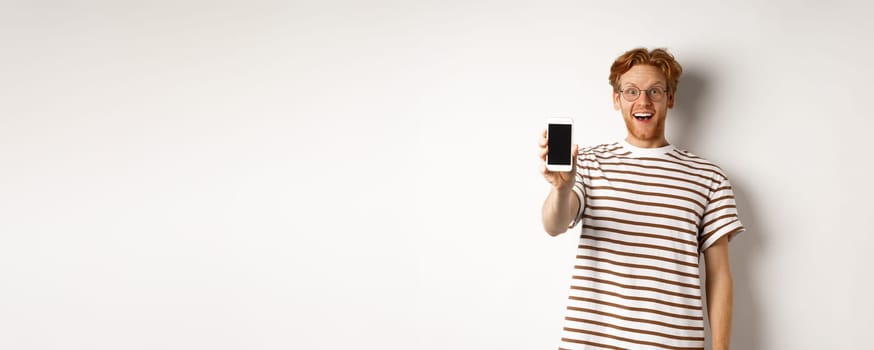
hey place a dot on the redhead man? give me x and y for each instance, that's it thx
(648, 211)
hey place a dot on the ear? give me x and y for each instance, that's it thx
(671, 100)
(616, 104)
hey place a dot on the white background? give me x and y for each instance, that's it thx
(326, 175)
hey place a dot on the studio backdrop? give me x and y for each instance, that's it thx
(364, 174)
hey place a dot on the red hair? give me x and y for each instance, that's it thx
(659, 58)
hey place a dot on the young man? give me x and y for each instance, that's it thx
(648, 211)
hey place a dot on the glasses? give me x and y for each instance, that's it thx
(655, 94)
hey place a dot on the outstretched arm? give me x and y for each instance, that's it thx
(559, 210)
(562, 204)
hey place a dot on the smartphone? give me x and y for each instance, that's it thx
(559, 134)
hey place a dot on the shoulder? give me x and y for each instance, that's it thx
(698, 163)
(600, 151)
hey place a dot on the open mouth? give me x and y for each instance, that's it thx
(642, 116)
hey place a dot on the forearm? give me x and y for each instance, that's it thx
(719, 308)
(559, 210)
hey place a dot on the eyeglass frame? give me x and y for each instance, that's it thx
(648, 93)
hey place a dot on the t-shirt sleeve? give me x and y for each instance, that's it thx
(580, 191)
(720, 217)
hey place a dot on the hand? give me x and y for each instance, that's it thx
(559, 180)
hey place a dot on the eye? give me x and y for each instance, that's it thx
(656, 91)
(632, 91)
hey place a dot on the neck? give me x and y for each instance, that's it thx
(661, 142)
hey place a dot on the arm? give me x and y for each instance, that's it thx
(561, 205)
(719, 293)
(559, 210)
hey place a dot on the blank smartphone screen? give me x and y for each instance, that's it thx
(559, 144)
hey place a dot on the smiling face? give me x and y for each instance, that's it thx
(644, 118)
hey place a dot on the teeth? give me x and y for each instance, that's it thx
(643, 115)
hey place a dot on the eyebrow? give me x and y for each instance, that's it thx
(659, 84)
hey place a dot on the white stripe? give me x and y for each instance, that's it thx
(652, 262)
(587, 242)
(633, 337)
(658, 288)
(607, 298)
(627, 232)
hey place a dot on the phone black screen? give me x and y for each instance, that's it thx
(559, 144)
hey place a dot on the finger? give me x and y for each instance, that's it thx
(575, 153)
(543, 152)
(543, 169)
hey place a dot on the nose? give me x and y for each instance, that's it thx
(644, 99)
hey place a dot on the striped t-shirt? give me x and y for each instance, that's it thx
(647, 214)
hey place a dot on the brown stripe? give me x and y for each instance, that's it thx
(642, 213)
(723, 188)
(659, 168)
(686, 153)
(645, 256)
(677, 162)
(601, 146)
(683, 164)
(633, 244)
(633, 330)
(615, 147)
(714, 200)
(651, 300)
(638, 266)
(585, 342)
(680, 162)
(654, 204)
(638, 277)
(640, 234)
(651, 184)
(729, 233)
(641, 342)
(720, 208)
(648, 175)
(656, 194)
(717, 219)
(706, 236)
(649, 289)
(600, 149)
(714, 167)
(643, 223)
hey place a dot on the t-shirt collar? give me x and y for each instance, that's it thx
(645, 152)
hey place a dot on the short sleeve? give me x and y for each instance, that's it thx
(720, 217)
(581, 197)
(580, 191)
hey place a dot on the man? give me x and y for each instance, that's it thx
(648, 211)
